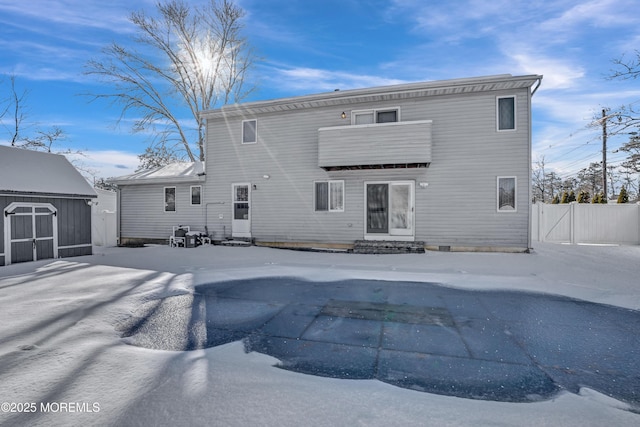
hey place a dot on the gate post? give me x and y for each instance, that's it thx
(572, 222)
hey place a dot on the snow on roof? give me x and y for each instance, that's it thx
(169, 174)
(26, 171)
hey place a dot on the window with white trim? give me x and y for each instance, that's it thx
(365, 117)
(506, 193)
(196, 195)
(329, 196)
(169, 199)
(506, 113)
(249, 131)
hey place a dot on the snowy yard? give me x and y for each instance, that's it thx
(63, 362)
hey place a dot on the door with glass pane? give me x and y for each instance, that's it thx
(389, 209)
(241, 211)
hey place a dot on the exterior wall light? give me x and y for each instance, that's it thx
(343, 115)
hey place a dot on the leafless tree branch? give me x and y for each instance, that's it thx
(193, 57)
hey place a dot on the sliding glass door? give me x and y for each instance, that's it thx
(389, 209)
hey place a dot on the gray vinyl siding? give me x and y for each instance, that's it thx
(375, 144)
(457, 208)
(142, 214)
(74, 223)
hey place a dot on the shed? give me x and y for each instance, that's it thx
(46, 207)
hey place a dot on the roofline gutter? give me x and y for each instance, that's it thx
(46, 195)
(165, 180)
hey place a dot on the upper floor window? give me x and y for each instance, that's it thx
(364, 117)
(506, 113)
(249, 131)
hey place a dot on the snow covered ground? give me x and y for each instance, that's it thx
(62, 361)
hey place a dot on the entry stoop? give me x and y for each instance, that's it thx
(387, 247)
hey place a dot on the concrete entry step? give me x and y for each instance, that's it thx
(236, 242)
(387, 247)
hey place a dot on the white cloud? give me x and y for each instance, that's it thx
(312, 80)
(558, 72)
(112, 15)
(109, 163)
(597, 13)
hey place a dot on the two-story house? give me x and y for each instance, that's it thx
(446, 163)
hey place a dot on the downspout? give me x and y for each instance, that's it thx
(530, 192)
(119, 208)
(533, 91)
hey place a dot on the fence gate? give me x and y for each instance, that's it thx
(586, 223)
(31, 232)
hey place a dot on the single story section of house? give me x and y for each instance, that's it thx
(46, 207)
(443, 164)
(151, 202)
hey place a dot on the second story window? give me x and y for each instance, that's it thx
(364, 117)
(506, 112)
(249, 131)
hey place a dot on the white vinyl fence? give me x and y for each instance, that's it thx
(586, 223)
(103, 229)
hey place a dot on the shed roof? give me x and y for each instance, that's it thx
(170, 174)
(36, 172)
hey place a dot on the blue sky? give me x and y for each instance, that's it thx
(312, 46)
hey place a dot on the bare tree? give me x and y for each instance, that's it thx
(539, 181)
(626, 69)
(194, 57)
(22, 134)
(633, 148)
(15, 109)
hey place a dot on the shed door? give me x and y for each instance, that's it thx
(31, 231)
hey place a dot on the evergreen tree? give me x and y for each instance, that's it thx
(572, 197)
(565, 197)
(556, 200)
(623, 197)
(583, 196)
(601, 199)
(596, 198)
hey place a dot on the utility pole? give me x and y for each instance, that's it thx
(604, 153)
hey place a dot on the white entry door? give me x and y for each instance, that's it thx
(389, 210)
(241, 211)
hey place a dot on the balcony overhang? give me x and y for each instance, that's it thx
(375, 146)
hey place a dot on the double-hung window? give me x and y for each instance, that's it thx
(365, 117)
(506, 113)
(249, 131)
(329, 196)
